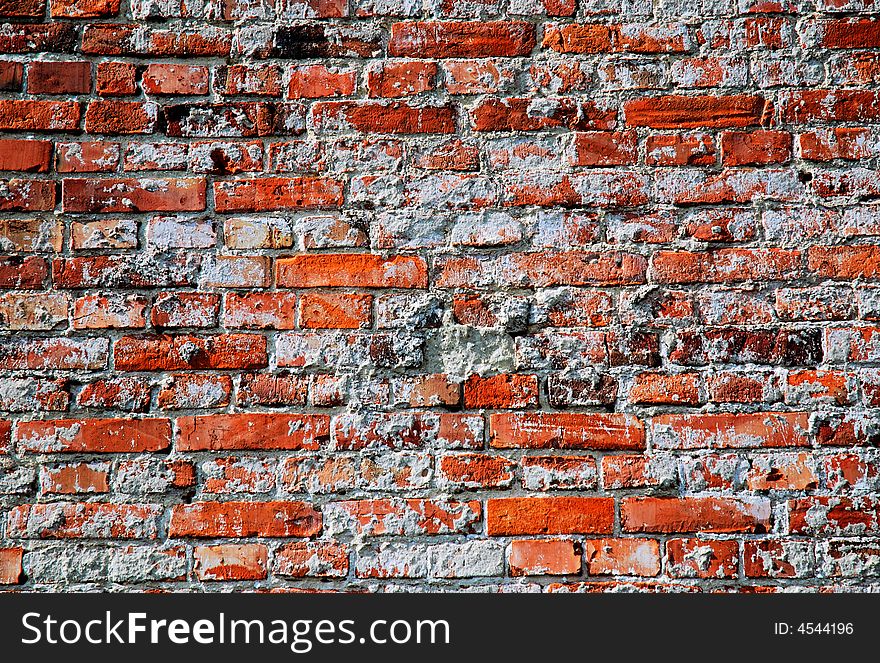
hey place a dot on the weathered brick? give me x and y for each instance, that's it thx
(694, 514)
(566, 431)
(528, 557)
(311, 559)
(231, 562)
(767, 429)
(627, 557)
(244, 519)
(94, 435)
(606, 270)
(468, 40)
(278, 193)
(84, 520)
(164, 352)
(133, 195)
(682, 112)
(252, 431)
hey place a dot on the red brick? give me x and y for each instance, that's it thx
(452, 155)
(512, 516)
(660, 389)
(844, 262)
(775, 558)
(114, 39)
(308, 8)
(185, 391)
(808, 106)
(400, 78)
(171, 353)
(114, 79)
(258, 310)
(23, 8)
(522, 114)
(27, 195)
(602, 38)
(133, 195)
(309, 474)
(627, 557)
(544, 473)
(851, 33)
(90, 157)
(317, 81)
(731, 431)
(681, 112)
(11, 571)
(33, 395)
(755, 148)
(262, 389)
(730, 387)
(231, 562)
(11, 76)
(166, 79)
(694, 514)
(335, 311)
(501, 391)
(54, 353)
(23, 272)
(97, 312)
(725, 265)
(394, 117)
(397, 517)
(477, 76)
(278, 193)
(566, 431)
(475, 470)
(251, 79)
(311, 559)
(244, 519)
(542, 557)
(253, 431)
(94, 435)
(124, 393)
(838, 143)
(701, 558)
(767, 31)
(59, 78)
(119, 271)
(597, 148)
(725, 225)
(351, 270)
(574, 268)
(185, 309)
(695, 149)
(75, 478)
(121, 117)
(449, 39)
(33, 38)
(84, 8)
(783, 472)
(84, 520)
(584, 308)
(834, 515)
(809, 386)
(32, 156)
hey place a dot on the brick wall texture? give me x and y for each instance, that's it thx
(403, 295)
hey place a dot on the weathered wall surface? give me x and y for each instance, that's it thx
(401, 294)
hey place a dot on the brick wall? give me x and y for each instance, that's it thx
(387, 294)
